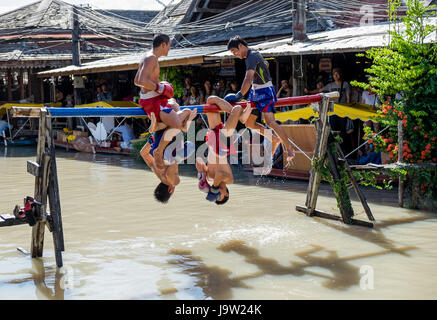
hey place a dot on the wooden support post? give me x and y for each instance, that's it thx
(38, 229)
(21, 82)
(41, 89)
(400, 160)
(54, 200)
(29, 83)
(323, 129)
(355, 185)
(9, 85)
(341, 195)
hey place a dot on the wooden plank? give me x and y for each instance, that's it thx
(327, 215)
(319, 213)
(33, 168)
(26, 112)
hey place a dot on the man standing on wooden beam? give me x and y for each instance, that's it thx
(258, 83)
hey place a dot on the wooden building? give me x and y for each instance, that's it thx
(39, 36)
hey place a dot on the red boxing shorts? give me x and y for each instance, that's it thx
(152, 102)
(216, 140)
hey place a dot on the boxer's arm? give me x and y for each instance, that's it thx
(247, 82)
(146, 68)
(145, 154)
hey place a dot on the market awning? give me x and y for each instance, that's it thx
(176, 57)
(353, 111)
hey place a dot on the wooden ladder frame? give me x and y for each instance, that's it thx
(334, 160)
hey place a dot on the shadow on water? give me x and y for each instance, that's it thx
(376, 235)
(217, 283)
(44, 278)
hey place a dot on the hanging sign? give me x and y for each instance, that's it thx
(325, 64)
(227, 68)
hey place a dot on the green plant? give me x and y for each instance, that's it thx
(176, 76)
(408, 65)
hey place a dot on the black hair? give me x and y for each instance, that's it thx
(159, 39)
(225, 199)
(235, 41)
(161, 193)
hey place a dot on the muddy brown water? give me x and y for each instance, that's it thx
(121, 244)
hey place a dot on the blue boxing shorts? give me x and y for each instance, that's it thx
(178, 153)
(264, 97)
(155, 139)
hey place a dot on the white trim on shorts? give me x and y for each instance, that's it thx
(261, 86)
(148, 95)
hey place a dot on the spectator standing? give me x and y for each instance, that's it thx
(221, 88)
(105, 94)
(187, 86)
(285, 90)
(233, 87)
(193, 98)
(206, 92)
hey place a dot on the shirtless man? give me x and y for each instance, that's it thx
(155, 95)
(261, 91)
(169, 174)
(218, 170)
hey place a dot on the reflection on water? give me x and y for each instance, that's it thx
(121, 244)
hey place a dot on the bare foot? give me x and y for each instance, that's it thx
(191, 117)
(289, 156)
(246, 114)
(153, 123)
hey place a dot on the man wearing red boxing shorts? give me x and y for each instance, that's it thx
(155, 95)
(218, 170)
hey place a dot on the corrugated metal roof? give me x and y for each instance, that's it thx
(354, 39)
(131, 61)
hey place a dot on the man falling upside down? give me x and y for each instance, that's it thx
(168, 174)
(261, 91)
(218, 170)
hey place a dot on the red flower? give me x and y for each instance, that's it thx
(404, 123)
(426, 136)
